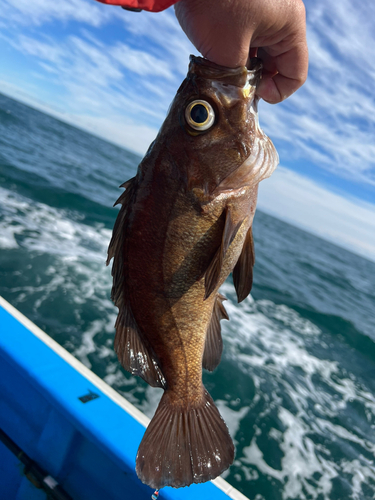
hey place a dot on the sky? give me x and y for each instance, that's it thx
(114, 73)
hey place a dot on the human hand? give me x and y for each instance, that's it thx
(227, 31)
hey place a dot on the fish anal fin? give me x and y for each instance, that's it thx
(212, 275)
(243, 270)
(184, 445)
(213, 347)
(134, 355)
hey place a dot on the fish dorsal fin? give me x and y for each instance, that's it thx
(243, 270)
(118, 235)
(213, 346)
(134, 355)
(212, 275)
(133, 352)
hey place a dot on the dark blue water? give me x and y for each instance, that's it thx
(296, 384)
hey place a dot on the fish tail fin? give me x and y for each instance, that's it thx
(183, 445)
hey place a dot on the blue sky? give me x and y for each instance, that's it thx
(114, 73)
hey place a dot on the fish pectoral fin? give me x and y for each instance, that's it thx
(243, 270)
(212, 275)
(213, 346)
(133, 353)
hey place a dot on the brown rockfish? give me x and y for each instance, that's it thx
(184, 225)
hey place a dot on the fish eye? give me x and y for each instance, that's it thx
(199, 115)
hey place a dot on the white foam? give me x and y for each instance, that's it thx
(361, 470)
(88, 344)
(339, 431)
(40, 227)
(151, 401)
(7, 237)
(117, 379)
(231, 417)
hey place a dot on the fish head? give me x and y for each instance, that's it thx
(212, 132)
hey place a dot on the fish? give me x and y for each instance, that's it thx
(184, 225)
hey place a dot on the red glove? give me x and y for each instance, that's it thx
(150, 5)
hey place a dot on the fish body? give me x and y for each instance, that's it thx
(184, 225)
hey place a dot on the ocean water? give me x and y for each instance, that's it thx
(296, 384)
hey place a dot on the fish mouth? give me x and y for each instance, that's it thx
(240, 76)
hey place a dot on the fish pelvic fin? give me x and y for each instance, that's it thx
(183, 445)
(212, 275)
(243, 270)
(213, 346)
(133, 352)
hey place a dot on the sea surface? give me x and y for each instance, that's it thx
(296, 384)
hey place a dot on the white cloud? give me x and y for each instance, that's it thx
(140, 62)
(164, 36)
(91, 80)
(117, 130)
(330, 120)
(346, 222)
(25, 95)
(38, 12)
(48, 51)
